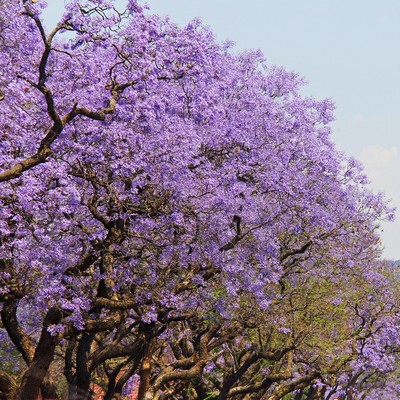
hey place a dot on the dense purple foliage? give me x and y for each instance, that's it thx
(154, 187)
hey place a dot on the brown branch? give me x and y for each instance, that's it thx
(17, 335)
(44, 149)
(17, 170)
(270, 379)
(230, 380)
(8, 386)
(44, 355)
(301, 250)
(106, 323)
(299, 383)
(103, 302)
(115, 350)
(198, 362)
(84, 264)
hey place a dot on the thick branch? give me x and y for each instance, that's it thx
(103, 302)
(230, 380)
(8, 386)
(115, 350)
(299, 383)
(106, 323)
(199, 361)
(42, 359)
(17, 335)
(301, 250)
(44, 150)
(17, 170)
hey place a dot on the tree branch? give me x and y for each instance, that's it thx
(17, 335)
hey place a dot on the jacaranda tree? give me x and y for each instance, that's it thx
(163, 204)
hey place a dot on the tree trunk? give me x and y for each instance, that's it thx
(44, 355)
(48, 388)
(15, 332)
(145, 371)
(82, 369)
(8, 387)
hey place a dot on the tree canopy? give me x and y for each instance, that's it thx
(175, 213)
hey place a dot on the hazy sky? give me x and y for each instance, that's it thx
(347, 50)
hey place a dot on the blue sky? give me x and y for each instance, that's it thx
(347, 50)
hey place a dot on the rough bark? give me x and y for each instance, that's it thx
(145, 370)
(82, 367)
(44, 355)
(15, 332)
(8, 387)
